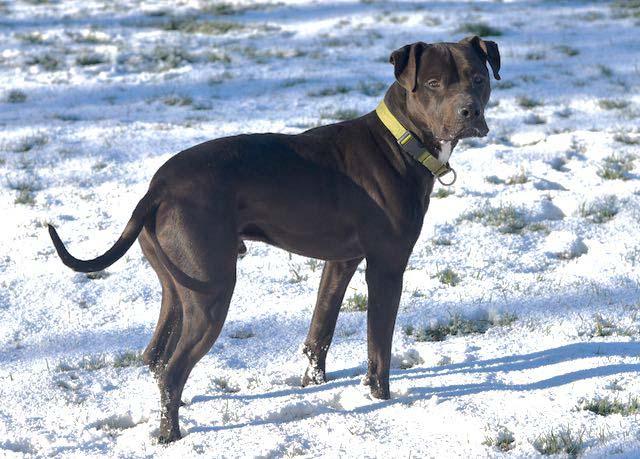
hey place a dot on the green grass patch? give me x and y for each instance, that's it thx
(89, 59)
(518, 179)
(458, 326)
(616, 167)
(47, 62)
(193, 26)
(177, 100)
(355, 303)
(16, 96)
(341, 114)
(326, 92)
(626, 139)
(613, 104)
(601, 210)
(606, 407)
(448, 276)
(535, 119)
(528, 102)
(503, 440)
(535, 56)
(170, 57)
(605, 70)
(128, 359)
(29, 143)
(506, 218)
(479, 28)
(372, 88)
(568, 50)
(562, 441)
(443, 193)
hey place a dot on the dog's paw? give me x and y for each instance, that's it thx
(313, 376)
(169, 438)
(381, 393)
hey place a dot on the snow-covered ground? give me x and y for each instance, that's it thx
(521, 299)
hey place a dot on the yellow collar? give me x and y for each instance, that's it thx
(410, 144)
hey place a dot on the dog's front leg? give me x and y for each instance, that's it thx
(335, 279)
(385, 288)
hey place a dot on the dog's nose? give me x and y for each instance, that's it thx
(469, 112)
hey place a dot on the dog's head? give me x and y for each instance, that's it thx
(447, 85)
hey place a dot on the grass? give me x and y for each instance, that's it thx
(458, 326)
(494, 180)
(16, 96)
(613, 104)
(176, 100)
(222, 9)
(296, 276)
(341, 114)
(325, 92)
(26, 191)
(605, 70)
(601, 210)
(89, 59)
(97, 362)
(626, 139)
(35, 38)
(448, 276)
(558, 442)
(372, 88)
(528, 102)
(47, 62)
(443, 193)
(534, 119)
(502, 440)
(606, 407)
(518, 179)
(190, 25)
(535, 56)
(603, 328)
(25, 197)
(506, 218)
(505, 84)
(128, 359)
(479, 28)
(616, 167)
(170, 58)
(313, 264)
(626, 9)
(356, 302)
(30, 142)
(568, 50)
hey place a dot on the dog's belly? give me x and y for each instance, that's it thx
(322, 243)
(302, 220)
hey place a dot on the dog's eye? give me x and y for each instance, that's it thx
(478, 79)
(433, 83)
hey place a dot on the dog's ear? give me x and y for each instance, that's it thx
(406, 61)
(488, 50)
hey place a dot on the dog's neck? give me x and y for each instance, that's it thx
(396, 100)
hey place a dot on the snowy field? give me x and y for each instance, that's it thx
(519, 326)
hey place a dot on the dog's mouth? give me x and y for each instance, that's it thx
(478, 129)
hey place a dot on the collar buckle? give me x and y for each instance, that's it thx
(449, 169)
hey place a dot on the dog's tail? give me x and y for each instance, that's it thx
(146, 206)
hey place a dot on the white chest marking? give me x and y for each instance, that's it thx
(445, 152)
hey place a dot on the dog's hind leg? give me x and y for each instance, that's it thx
(204, 242)
(335, 279)
(169, 324)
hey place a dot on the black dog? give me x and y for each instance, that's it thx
(341, 193)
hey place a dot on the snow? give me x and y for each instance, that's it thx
(545, 314)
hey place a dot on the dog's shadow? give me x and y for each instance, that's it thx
(513, 363)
